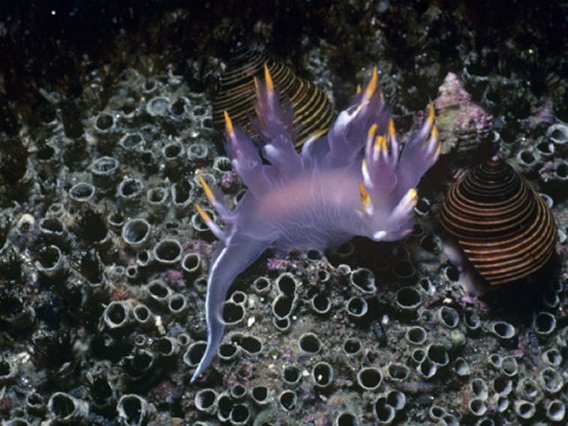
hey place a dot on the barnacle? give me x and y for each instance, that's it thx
(90, 224)
(52, 350)
(355, 180)
(65, 408)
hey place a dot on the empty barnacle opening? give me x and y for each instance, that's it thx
(157, 196)
(416, 335)
(206, 400)
(369, 378)
(116, 316)
(310, 344)
(408, 300)
(158, 292)
(115, 220)
(261, 285)
(182, 194)
(260, 394)
(168, 251)
(352, 346)
(197, 152)
(321, 304)
(194, 353)
(288, 400)
(50, 260)
(240, 414)
(136, 233)
(166, 347)
(132, 409)
(287, 285)
(357, 307)
(142, 315)
(178, 304)
(448, 317)
(397, 372)
(233, 313)
(291, 375)
(364, 280)
(384, 413)
(282, 324)
(322, 375)
(82, 192)
(248, 343)
(228, 351)
(104, 122)
(282, 306)
(239, 297)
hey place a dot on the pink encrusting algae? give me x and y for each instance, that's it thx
(357, 180)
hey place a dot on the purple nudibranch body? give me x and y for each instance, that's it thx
(357, 180)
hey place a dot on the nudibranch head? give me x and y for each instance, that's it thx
(355, 180)
(389, 171)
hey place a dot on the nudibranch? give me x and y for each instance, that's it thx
(357, 180)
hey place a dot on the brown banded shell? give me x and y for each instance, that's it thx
(313, 111)
(505, 229)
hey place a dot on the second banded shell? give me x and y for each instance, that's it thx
(505, 229)
(313, 111)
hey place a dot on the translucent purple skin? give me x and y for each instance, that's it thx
(350, 182)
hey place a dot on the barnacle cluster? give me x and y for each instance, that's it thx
(104, 259)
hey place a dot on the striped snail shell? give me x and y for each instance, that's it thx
(313, 111)
(504, 228)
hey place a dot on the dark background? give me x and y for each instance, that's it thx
(52, 45)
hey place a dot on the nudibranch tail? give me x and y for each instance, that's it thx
(230, 260)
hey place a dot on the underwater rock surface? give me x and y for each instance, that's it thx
(105, 120)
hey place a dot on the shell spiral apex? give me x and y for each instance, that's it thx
(505, 229)
(357, 179)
